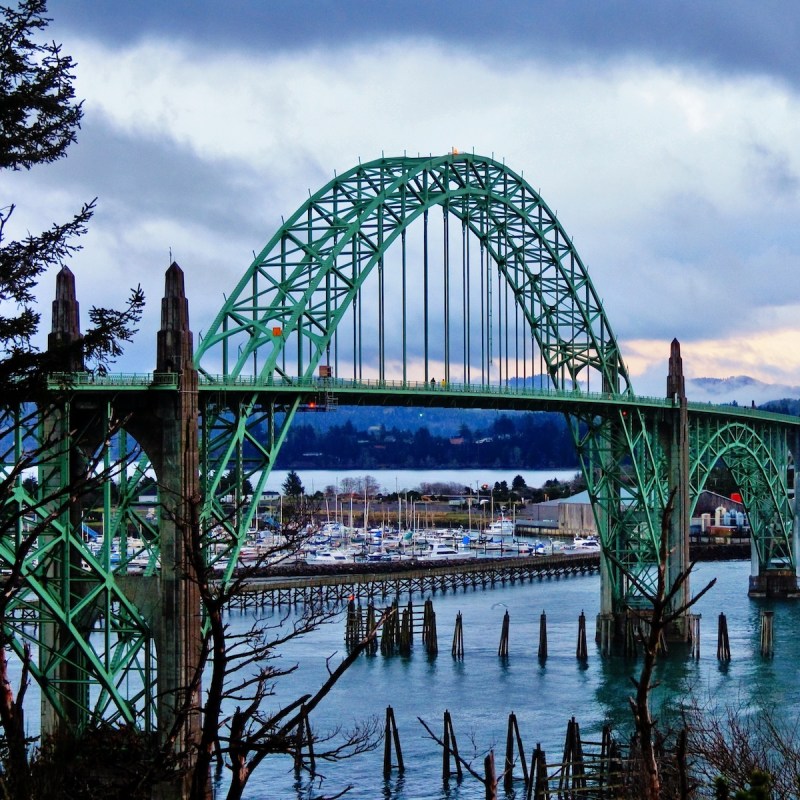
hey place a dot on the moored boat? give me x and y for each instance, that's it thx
(441, 550)
(501, 527)
(332, 557)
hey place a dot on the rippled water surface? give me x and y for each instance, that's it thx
(483, 689)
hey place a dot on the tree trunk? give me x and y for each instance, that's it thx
(13, 722)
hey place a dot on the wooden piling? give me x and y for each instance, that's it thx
(513, 739)
(303, 737)
(767, 640)
(390, 632)
(391, 736)
(406, 627)
(386, 639)
(572, 778)
(433, 647)
(458, 638)
(430, 638)
(723, 643)
(581, 651)
(604, 772)
(394, 620)
(491, 776)
(502, 650)
(629, 648)
(450, 750)
(352, 631)
(543, 637)
(372, 645)
(694, 635)
(537, 788)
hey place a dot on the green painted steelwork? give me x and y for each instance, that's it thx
(291, 300)
(309, 283)
(282, 322)
(758, 455)
(360, 298)
(94, 652)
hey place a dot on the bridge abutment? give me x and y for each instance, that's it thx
(165, 422)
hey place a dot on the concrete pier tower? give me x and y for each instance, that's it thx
(176, 462)
(677, 448)
(63, 467)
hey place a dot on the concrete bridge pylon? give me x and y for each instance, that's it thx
(177, 466)
(677, 448)
(165, 423)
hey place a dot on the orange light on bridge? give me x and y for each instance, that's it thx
(277, 331)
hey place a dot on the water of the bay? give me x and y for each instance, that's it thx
(391, 480)
(481, 690)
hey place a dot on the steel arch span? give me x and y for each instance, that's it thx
(495, 295)
(500, 297)
(286, 309)
(394, 274)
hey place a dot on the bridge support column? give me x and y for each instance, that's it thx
(677, 436)
(177, 622)
(61, 659)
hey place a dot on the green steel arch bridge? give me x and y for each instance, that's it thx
(443, 281)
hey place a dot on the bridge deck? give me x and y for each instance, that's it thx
(398, 392)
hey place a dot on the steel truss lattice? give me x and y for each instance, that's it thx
(495, 300)
(282, 320)
(93, 656)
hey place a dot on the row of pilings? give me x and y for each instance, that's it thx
(395, 633)
(586, 769)
(394, 628)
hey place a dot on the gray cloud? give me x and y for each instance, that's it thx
(678, 184)
(729, 36)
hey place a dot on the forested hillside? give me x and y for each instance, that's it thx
(373, 438)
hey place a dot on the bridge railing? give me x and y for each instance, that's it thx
(88, 380)
(319, 384)
(61, 380)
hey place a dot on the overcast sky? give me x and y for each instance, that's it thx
(666, 135)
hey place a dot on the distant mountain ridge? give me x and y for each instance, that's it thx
(740, 389)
